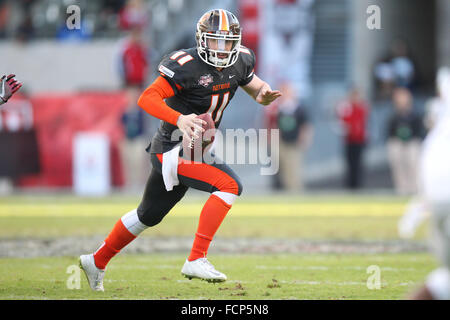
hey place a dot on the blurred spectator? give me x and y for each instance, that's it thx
(113, 6)
(270, 122)
(353, 113)
(25, 31)
(133, 14)
(134, 159)
(5, 12)
(384, 75)
(19, 151)
(405, 133)
(402, 65)
(295, 137)
(29, 19)
(397, 69)
(108, 16)
(133, 66)
(133, 59)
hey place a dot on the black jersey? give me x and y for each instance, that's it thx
(199, 88)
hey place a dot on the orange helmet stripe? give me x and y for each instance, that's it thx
(224, 21)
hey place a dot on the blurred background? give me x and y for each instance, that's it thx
(359, 93)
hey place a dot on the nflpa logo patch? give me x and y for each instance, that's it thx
(205, 80)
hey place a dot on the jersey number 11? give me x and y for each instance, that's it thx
(215, 102)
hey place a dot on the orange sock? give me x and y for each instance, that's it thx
(116, 240)
(211, 217)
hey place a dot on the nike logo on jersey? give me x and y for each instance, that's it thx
(231, 76)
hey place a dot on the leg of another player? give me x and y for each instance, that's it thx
(437, 285)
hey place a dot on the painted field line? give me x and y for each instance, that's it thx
(192, 210)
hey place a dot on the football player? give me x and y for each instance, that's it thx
(435, 190)
(8, 86)
(193, 81)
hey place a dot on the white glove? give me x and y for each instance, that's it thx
(8, 86)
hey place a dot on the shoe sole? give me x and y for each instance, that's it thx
(87, 278)
(203, 279)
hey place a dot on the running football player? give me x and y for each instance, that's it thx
(8, 86)
(435, 190)
(202, 79)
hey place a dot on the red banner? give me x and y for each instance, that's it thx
(58, 117)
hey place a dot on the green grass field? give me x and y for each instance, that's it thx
(157, 276)
(302, 275)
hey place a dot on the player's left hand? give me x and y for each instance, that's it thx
(8, 86)
(266, 96)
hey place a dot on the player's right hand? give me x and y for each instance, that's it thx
(8, 86)
(190, 125)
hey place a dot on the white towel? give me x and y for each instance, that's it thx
(170, 168)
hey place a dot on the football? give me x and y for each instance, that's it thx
(193, 149)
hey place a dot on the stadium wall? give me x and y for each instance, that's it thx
(50, 66)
